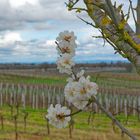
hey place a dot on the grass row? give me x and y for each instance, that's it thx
(36, 123)
(102, 79)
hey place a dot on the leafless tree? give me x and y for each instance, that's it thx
(112, 22)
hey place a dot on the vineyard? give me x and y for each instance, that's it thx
(24, 101)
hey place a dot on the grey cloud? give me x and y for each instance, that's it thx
(47, 15)
(45, 10)
(92, 49)
(26, 49)
(44, 26)
(44, 50)
(14, 18)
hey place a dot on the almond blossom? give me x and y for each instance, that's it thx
(70, 91)
(56, 116)
(86, 88)
(66, 48)
(65, 64)
(67, 36)
(79, 92)
(79, 89)
(80, 74)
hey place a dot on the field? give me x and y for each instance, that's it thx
(119, 93)
(100, 127)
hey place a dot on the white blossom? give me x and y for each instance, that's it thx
(79, 89)
(66, 47)
(70, 91)
(80, 74)
(67, 36)
(56, 116)
(72, 95)
(86, 88)
(79, 92)
(65, 64)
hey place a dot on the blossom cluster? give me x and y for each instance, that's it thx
(66, 45)
(79, 89)
(56, 116)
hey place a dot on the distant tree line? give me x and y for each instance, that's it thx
(46, 66)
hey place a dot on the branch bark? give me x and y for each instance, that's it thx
(129, 47)
(112, 12)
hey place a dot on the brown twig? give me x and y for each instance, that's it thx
(2, 121)
(15, 122)
(25, 120)
(48, 126)
(88, 23)
(132, 9)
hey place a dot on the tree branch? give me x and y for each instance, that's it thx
(132, 9)
(124, 130)
(138, 18)
(114, 120)
(112, 12)
(87, 22)
(123, 39)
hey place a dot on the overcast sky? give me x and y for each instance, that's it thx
(28, 29)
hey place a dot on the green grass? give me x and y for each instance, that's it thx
(32, 80)
(36, 123)
(103, 79)
(99, 128)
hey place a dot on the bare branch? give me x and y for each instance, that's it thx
(118, 50)
(124, 130)
(79, 9)
(91, 24)
(114, 120)
(74, 113)
(128, 14)
(71, 4)
(132, 9)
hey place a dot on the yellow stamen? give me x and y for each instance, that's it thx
(67, 62)
(83, 91)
